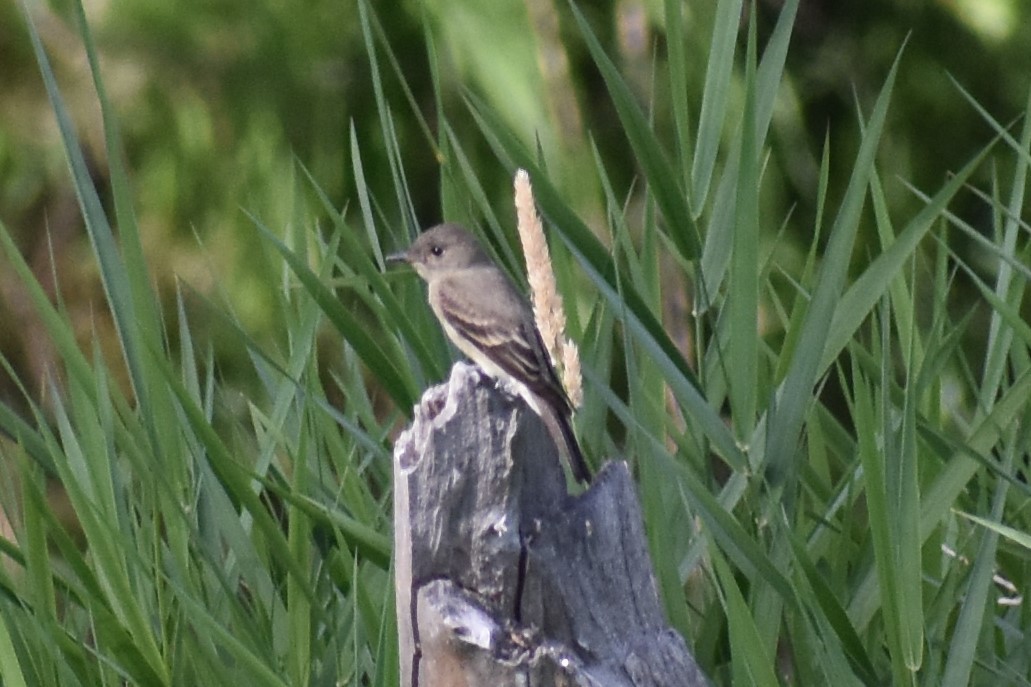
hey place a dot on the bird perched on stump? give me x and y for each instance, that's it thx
(487, 318)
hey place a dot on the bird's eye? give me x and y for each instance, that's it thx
(437, 251)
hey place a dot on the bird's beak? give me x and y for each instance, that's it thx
(395, 258)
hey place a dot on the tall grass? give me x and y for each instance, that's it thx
(828, 450)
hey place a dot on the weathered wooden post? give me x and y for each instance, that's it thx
(505, 579)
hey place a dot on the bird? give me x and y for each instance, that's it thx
(491, 322)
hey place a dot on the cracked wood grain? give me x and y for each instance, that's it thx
(503, 577)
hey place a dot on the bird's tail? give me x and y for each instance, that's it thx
(577, 463)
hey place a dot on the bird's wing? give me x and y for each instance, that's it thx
(503, 328)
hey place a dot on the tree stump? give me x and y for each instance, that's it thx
(502, 577)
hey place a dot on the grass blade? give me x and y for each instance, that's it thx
(657, 168)
(788, 410)
(715, 98)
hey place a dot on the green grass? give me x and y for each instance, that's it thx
(828, 445)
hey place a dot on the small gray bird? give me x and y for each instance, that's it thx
(488, 320)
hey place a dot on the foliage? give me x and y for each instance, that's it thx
(827, 433)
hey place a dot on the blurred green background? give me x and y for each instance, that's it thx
(221, 103)
(226, 107)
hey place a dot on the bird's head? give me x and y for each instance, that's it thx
(442, 249)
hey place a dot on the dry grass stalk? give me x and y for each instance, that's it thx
(571, 378)
(547, 303)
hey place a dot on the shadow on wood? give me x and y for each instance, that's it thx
(502, 577)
